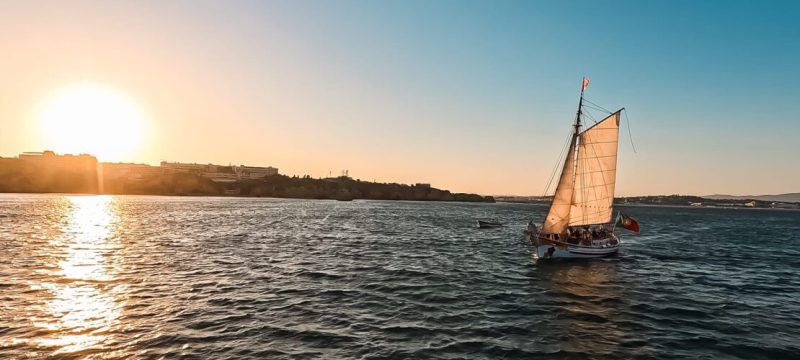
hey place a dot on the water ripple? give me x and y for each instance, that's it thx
(102, 277)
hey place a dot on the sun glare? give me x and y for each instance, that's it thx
(92, 119)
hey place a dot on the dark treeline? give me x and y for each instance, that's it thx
(21, 177)
(344, 188)
(282, 186)
(162, 184)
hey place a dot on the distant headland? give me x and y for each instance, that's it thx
(718, 201)
(47, 172)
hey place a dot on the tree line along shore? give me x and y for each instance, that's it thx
(20, 177)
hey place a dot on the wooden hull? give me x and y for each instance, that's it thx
(574, 252)
(549, 250)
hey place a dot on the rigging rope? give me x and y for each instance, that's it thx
(558, 162)
(589, 115)
(630, 136)
(594, 106)
(598, 106)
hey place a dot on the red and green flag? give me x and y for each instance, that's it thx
(628, 222)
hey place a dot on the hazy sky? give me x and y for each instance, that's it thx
(469, 96)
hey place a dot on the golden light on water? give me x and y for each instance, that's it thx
(577, 286)
(88, 233)
(83, 306)
(92, 119)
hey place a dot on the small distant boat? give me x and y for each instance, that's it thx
(486, 224)
(579, 222)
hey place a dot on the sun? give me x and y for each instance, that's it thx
(92, 119)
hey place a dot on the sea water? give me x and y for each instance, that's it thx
(245, 278)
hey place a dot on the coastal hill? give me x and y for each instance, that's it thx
(697, 201)
(282, 186)
(50, 173)
(790, 197)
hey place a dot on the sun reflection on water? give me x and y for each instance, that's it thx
(83, 307)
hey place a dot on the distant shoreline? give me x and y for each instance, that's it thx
(274, 186)
(677, 201)
(187, 196)
(707, 207)
(48, 172)
(662, 206)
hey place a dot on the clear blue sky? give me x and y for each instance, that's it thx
(468, 95)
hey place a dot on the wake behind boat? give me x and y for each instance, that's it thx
(578, 223)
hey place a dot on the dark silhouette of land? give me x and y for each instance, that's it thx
(282, 186)
(51, 173)
(673, 200)
(789, 197)
(684, 200)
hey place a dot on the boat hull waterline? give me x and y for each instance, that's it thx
(572, 251)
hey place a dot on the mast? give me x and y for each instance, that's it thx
(584, 84)
(558, 215)
(585, 191)
(576, 138)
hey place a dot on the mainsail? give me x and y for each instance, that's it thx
(596, 172)
(585, 189)
(558, 216)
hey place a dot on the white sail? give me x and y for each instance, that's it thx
(558, 216)
(595, 173)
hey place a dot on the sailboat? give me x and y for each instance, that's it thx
(579, 222)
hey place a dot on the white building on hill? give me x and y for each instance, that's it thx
(254, 172)
(219, 173)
